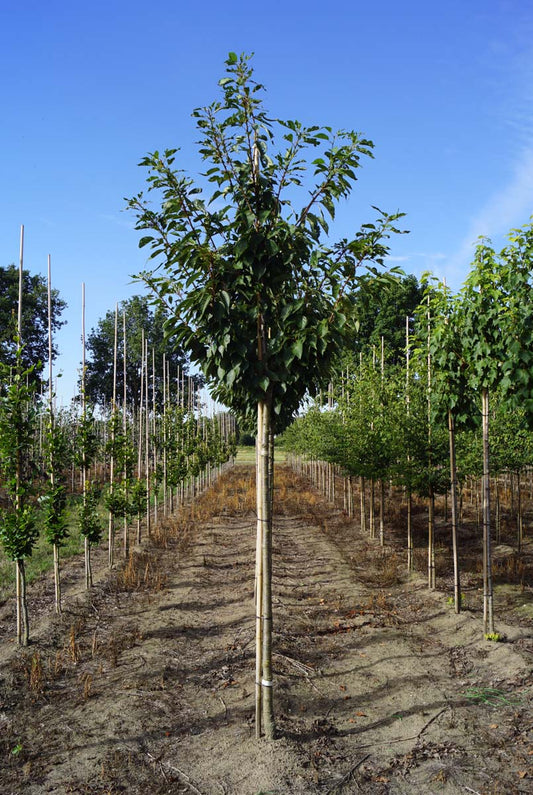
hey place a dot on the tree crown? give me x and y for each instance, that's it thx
(256, 292)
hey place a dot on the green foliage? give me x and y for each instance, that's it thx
(117, 500)
(441, 334)
(119, 445)
(55, 518)
(58, 456)
(90, 523)
(17, 425)
(421, 453)
(18, 532)
(255, 297)
(483, 320)
(138, 497)
(86, 438)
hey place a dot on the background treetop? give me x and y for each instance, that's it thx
(379, 308)
(100, 342)
(34, 320)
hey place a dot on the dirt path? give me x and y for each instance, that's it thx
(150, 690)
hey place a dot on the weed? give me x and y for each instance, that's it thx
(17, 749)
(73, 649)
(494, 636)
(490, 696)
(450, 600)
(87, 681)
(35, 674)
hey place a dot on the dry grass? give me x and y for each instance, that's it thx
(141, 572)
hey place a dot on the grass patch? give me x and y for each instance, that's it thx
(41, 560)
(246, 455)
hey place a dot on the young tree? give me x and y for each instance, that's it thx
(254, 293)
(18, 527)
(452, 400)
(484, 318)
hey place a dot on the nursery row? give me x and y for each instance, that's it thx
(122, 463)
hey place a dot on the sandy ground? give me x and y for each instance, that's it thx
(145, 685)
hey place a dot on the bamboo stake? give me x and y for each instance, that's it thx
(87, 545)
(410, 551)
(165, 439)
(147, 444)
(22, 610)
(140, 429)
(431, 510)
(488, 613)
(453, 489)
(111, 531)
(124, 432)
(259, 578)
(57, 581)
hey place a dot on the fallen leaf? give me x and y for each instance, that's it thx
(493, 726)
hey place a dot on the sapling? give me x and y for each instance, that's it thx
(90, 525)
(18, 528)
(57, 453)
(89, 522)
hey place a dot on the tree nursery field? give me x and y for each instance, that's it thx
(145, 683)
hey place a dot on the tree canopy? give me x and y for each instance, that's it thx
(100, 343)
(380, 306)
(255, 290)
(34, 319)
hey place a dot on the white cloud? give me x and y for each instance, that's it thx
(512, 206)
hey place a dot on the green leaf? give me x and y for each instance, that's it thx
(297, 348)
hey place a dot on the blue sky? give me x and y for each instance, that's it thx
(444, 90)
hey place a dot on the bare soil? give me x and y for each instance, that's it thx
(145, 685)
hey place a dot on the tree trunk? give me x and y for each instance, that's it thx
(381, 512)
(372, 513)
(258, 576)
(23, 624)
(431, 540)
(266, 681)
(57, 579)
(453, 490)
(88, 565)
(362, 502)
(264, 712)
(410, 556)
(519, 516)
(488, 614)
(498, 515)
